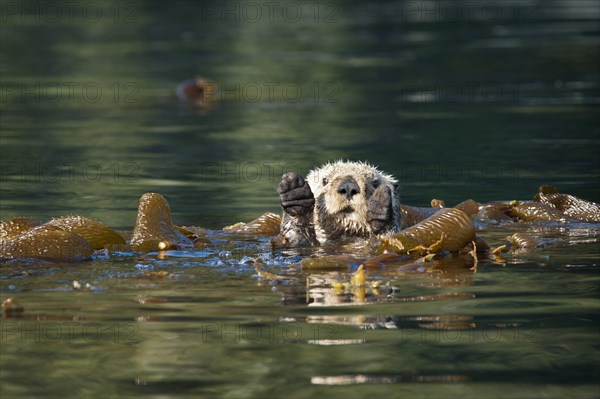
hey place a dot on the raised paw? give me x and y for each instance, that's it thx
(295, 195)
(379, 208)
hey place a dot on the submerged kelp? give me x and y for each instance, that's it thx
(523, 241)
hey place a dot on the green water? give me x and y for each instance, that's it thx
(483, 100)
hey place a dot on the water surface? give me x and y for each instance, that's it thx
(457, 99)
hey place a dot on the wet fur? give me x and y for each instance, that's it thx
(337, 217)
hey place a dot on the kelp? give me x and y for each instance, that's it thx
(68, 238)
(266, 225)
(411, 215)
(522, 240)
(153, 225)
(16, 226)
(94, 232)
(531, 211)
(470, 207)
(47, 243)
(449, 229)
(498, 213)
(331, 262)
(569, 205)
(426, 231)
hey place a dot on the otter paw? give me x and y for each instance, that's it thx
(295, 194)
(379, 208)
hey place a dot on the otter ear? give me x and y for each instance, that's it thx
(375, 183)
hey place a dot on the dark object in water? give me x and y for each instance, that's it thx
(199, 90)
(11, 309)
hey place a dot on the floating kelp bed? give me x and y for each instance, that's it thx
(440, 241)
(431, 231)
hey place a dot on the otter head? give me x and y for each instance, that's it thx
(342, 191)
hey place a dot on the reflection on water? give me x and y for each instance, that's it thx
(391, 82)
(184, 321)
(457, 99)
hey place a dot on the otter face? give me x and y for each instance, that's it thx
(342, 191)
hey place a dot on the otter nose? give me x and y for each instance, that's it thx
(348, 187)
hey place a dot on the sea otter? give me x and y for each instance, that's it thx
(200, 91)
(336, 201)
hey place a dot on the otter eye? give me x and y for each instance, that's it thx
(376, 183)
(325, 181)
